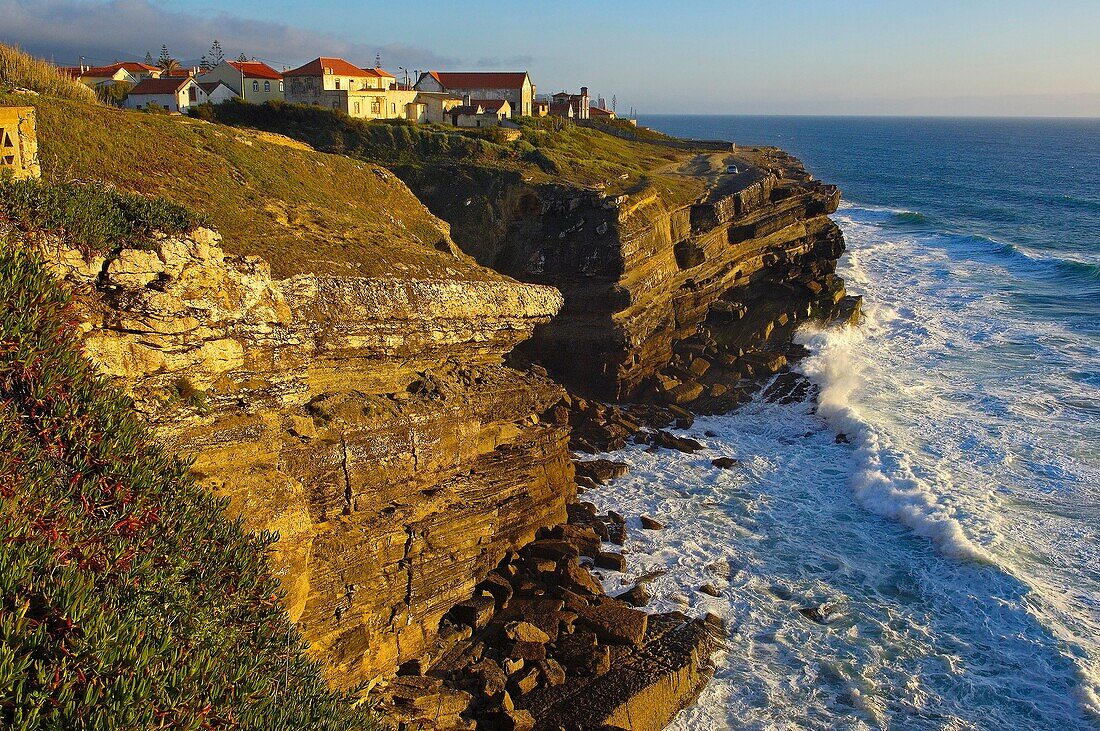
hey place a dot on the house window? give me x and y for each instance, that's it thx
(393, 109)
(338, 83)
(356, 108)
(267, 86)
(375, 106)
(191, 93)
(255, 86)
(280, 87)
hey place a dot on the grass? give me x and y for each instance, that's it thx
(549, 150)
(22, 71)
(127, 599)
(301, 210)
(96, 219)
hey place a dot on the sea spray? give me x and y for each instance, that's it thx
(883, 481)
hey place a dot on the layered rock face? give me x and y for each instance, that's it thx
(369, 422)
(640, 274)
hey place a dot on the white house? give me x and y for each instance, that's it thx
(480, 113)
(217, 91)
(516, 87)
(253, 81)
(174, 93)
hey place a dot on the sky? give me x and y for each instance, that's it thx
(930, 57)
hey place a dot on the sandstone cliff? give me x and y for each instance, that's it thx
(642, 271)
(367, 420)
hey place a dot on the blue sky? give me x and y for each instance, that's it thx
(751, 56)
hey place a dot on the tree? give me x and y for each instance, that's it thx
(216, 55)
(204, 64)
(166, 63)
(148, 58)
(242, 58)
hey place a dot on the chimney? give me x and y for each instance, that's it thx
(584, 91)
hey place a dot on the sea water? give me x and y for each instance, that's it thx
(939, 502)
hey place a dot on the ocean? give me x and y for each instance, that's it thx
(953, 540)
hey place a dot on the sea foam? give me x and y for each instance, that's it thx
(883, 481)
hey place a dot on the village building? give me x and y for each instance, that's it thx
(437, 106)
(600, 114)
(573, 106)
(125, 72)
(253, 81)
(540, 108)
(217, 92)
(364, 93)
(480, 113)
(18, 144)
(515, 87)
(174, 93)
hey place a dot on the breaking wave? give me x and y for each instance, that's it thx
(883, 480)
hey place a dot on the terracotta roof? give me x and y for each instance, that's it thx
(256, 70)
(490, 105)
(380, 73)
(210, 86)
(130, 66)
(339, 66)
(600, 112)
(479, 79)
(169, 85)
(465, 109)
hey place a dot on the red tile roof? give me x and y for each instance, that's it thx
(339, 66)
(210, 86)
(480, 79)
(256, 70)
(490, 105)
(169, 85)
(600, 112)
(132, 67)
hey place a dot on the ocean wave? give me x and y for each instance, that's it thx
(1069, 266)
(884, 481)
(1045, 263)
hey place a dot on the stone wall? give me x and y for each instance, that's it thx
(19, 142)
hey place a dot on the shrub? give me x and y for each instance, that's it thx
(204, 111)
(127, 599)
(20, 70)
(93, 218)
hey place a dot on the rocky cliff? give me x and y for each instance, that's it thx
(373, 402)
(368, 421)
(642, 271)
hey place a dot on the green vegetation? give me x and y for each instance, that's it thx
(93, 218)
(127, 600)
(301, 210)
(548, 150)
(21, 71)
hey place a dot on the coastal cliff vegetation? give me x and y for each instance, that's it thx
(129, 599)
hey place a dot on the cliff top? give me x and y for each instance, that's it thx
(546, 150)
(301, 210)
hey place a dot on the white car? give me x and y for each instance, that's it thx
(732, 170)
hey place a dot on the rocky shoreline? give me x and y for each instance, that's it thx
(414, 440)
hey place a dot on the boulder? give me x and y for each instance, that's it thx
(612, 561)
(635, 596)
(525, 632)
(725, 463)
(601, 470)
(651, 524)
(616, 622)
(475, 612)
